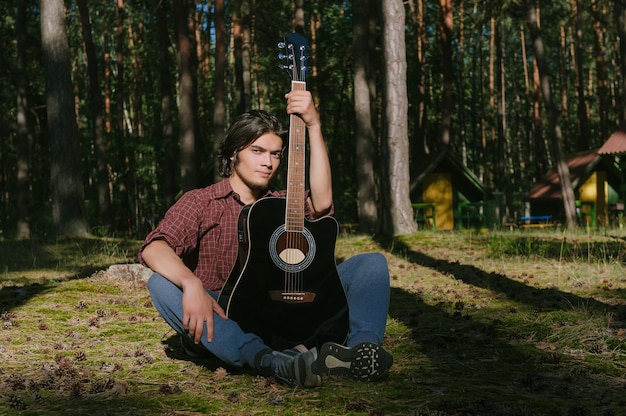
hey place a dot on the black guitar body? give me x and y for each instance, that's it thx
(284, 286)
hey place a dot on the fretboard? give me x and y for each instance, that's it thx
(296, 169)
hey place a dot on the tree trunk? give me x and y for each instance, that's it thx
(620, 17)
(124, 158)
(203, 91)
(491, 177)
(396, 120)
(445, 38)
(581, 111)
(237, 35)
(97, 127)
(501, 162)
(22, 137)
(504, 164)
(167, 107)
(461, 86)
(419, 145)
(219, 111)
(298, 21)
(246, 55)
(599, 27)
(68, 198)
(542, 151)
(106, 59)
(365, 137)
(567, 192)
(187, 108)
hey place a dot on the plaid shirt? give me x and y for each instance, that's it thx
(201, 227)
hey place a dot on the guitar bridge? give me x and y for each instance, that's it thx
(291, 297)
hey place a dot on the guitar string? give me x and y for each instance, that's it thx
(294, 280)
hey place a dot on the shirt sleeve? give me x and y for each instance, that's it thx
(180, 227)
(308, 211)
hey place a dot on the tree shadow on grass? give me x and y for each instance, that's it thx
(18, 292)
(74, 255)
(12, 297)
(29, 268)
(477, 366)
(543, 299)
(561, 247)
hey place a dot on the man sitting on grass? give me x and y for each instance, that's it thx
(194, 248)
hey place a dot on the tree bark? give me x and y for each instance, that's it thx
(68, 197)
(127, 220)
(219, 111)
(298, 21)
(581, 111)
(445, 38)
(365, 137)
(601, 69)
(620, 17)
(97, 120)
(567, 192)
(246, 55)
(23, 136)
(396, 120)
(187, 107)
(420, 145)
(167, 107)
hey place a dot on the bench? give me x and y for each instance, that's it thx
(536, 221)
(424, 213)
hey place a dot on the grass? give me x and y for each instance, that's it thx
(502, 323)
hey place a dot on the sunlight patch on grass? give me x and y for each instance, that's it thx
(496, 323)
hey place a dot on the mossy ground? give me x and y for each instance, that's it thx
(503, 323)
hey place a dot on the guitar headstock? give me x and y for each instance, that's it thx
(293, 56)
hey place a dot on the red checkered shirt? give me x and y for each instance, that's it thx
(201, 227)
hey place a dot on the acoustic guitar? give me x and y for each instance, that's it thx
(284, 286)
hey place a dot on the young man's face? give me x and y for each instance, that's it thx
(257, 163)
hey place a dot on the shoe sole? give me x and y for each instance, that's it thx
(364, 362)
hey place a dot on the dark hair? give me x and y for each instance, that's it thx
(245, 129)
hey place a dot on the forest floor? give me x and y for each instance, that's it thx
(500, 323)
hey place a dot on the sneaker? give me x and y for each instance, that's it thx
(363, 362)
(297, 350)
(293, 367)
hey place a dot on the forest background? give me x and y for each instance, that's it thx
(110, 110)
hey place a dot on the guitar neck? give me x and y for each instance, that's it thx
(296, 169)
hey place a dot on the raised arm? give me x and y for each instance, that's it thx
(300, 102)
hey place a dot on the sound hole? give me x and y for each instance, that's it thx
(292, 251)
(292, 247)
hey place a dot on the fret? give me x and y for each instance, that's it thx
(296, 170)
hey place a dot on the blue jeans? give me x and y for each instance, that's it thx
(365, 279)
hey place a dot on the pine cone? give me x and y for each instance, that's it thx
(15, 402)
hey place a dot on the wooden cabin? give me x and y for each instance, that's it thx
(447, 195)
(596, 181)
(615, 147)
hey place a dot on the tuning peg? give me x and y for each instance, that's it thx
(281, 44)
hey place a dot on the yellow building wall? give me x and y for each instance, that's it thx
(438, 191)
(596, 190)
